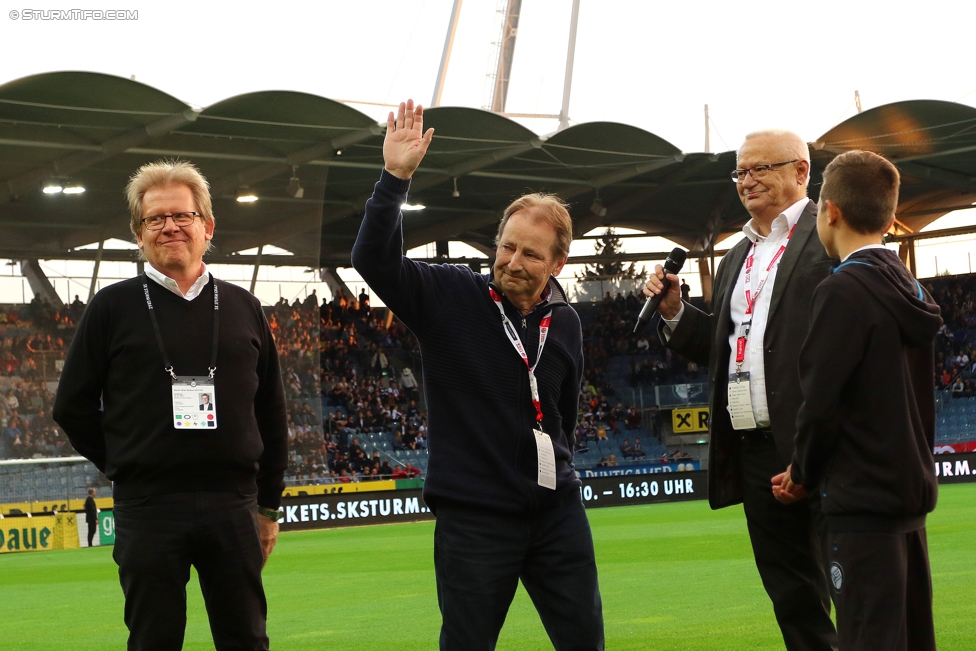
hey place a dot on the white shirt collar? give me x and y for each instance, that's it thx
(784, 222)
(864, 248)
(173, 286)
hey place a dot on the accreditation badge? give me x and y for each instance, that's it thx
(740, 401)
(547, 460)
(194, 403)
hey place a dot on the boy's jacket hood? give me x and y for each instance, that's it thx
(918, 316)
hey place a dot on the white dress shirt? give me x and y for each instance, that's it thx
(765, 250)
(173, 286)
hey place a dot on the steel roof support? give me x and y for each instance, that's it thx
(945, 178)
(621, 206)
(257, 266)
(39, 283)
(329, 276)
(98, 263)
(72, 163)
(319, 153)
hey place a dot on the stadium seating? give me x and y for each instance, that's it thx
(322, 346)
(47, 482)
(956, 420)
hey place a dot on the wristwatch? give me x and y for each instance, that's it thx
(271, 514)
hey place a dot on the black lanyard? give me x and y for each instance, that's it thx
(159, 337)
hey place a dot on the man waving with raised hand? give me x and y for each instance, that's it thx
(503, 361)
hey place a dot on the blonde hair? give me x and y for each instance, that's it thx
(551, 209)
(160, 175)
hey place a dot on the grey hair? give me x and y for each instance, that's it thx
(797, 146)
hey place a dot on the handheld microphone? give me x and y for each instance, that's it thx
(672, 265)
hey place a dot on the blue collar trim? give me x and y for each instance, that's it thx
(841, 266)
(918, 285)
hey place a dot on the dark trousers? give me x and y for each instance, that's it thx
(789, 543)
(92, 525)
(883, 591)
(480, 556)
(159, 537)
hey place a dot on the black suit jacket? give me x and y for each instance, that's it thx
(704, 338)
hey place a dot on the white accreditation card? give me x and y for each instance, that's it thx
(547, 460)
(740, 401)
(194, 403)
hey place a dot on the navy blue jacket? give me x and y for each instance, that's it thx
(482, 449)
(866, 428)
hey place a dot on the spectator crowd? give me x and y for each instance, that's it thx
(351, 377)
(347, 374)
(955, 346)
(611, 334)
(32, 345)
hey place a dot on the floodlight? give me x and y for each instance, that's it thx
(598, 209)
(244, 195)
(294, 187)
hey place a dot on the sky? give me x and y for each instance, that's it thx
(651, 64)
(654, 65)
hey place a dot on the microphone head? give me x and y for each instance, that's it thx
(676, 260)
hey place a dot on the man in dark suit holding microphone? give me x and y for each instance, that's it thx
(751, 343)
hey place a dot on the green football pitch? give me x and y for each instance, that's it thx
(673, 576)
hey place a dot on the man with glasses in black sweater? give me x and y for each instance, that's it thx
(192, 486)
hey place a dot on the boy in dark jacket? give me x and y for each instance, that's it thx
(866, 428)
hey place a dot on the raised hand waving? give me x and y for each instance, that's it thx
(406, 142)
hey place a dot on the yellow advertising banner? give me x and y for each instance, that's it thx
(687, 421)
(41, 533)
(26, 534)
(329, 489)
(15, 508)
(66, 531)
(45, 508)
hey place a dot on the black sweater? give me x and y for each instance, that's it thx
(866, 428)
(114, 357)
(482, 450)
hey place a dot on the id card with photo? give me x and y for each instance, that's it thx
(194, 403)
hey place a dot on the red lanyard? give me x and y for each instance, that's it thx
(740, 343)
(751, 298)
(520, 349)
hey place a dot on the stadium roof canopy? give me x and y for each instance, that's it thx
(97, 129)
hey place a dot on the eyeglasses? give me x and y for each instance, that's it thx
(157, 222)
(758, 171)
